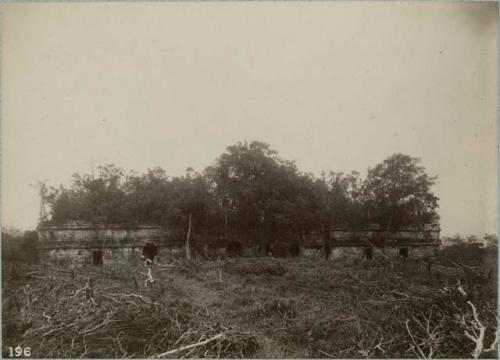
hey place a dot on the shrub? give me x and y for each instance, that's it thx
(20, 247)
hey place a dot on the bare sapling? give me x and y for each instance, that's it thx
(188, 238)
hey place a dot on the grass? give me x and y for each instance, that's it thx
(263, 307)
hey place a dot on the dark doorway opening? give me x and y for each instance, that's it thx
(150, 251)
(234, 249)
(294, 249)
(368, 253)
(403, 252)
(97, 257)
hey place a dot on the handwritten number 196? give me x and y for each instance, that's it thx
(19, 351)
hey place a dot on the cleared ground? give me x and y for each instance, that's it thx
(251, 307)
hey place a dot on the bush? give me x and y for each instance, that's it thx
(20, 247)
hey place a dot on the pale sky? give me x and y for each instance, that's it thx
(333, 85)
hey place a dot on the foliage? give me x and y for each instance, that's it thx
(471, 250)
(19, 246)
(257, 189)
(397, 193)
(249, 190)
(344, 202)
(116, 198)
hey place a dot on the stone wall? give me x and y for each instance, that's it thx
(377, 238)
(413, 252)
(83, 257)
(81, 244)
(90, 236)
(406, 235)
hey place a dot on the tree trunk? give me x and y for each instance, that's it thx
(188, 238)
(262, 236)
(225, 223)
(326, 244)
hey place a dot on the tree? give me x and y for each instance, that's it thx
(397, 193)
(344, 203)
(19, 246)
(491, 240)
(191, 207)
(147, 197)
(251, 192)
(90, 198)
(258, 190)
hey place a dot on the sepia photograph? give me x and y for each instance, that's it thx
(249, 179)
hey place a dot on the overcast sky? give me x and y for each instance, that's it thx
(334, 86)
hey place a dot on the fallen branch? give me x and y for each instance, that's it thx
(170, 352)
(86, 332)
(140, 297)
(46, 316)
(414, 342)
(59, 328)
(327, 354)
(478, 336)
(493, 344)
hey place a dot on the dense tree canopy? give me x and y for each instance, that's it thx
(249, 188)
(257, 188)
(397, 193)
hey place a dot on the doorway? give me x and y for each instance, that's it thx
(150, 251)
(369, 253)
(97, 257)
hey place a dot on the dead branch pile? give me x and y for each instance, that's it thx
(391, 309)
(401, 311)
(64, 318)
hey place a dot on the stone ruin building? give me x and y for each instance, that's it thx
(83, 243)
(373, 242)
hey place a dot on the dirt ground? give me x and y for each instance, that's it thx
(249, 307)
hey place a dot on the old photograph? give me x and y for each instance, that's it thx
(240, 179)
